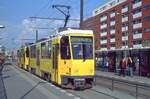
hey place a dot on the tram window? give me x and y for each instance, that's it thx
(82, 47)
(27, 52)
(43, 50)
(33, 48)
(49, 49)
(22, 52)
(65, 49)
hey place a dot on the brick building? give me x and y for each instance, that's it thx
(121, 25)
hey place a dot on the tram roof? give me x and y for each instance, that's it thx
(73, 31)
(64, 32)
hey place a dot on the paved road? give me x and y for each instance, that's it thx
(20, 84)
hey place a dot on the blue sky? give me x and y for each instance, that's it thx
(14, 14)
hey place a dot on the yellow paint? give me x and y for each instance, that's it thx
(70, 67)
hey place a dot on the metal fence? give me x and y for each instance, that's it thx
(137, 85)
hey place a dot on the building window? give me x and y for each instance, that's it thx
(124, 33)
(112, 19)
(147, 7)
(137, 21)
(112, 28)
(103, 23)
(113, 3)
(137, 31)
(124, 44)
(112, 36)
(137, 11)
(147, 18)
(136, 42)
(146, 43)
(124, 25)
(135, 1)
(112, 45)
(125, 6)
(103, 38)
(103, 30)
(103, 46)
(89, 24)
(147, 30)
(124, 15)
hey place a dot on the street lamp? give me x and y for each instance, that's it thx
(2, 26)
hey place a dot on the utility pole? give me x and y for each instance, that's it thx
(81, 13)
(36, 31)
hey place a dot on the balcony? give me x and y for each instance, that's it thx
(112, 48)
(103, 41)
(112, 15)
(112, 40)
(112, 31)
(103, 49)
(125, 19)
(124, 10)
(112, 23)
(103, 33)
(139, 4)
(124, 38)
(125, 28)
(137, 15)
(137, 45)
(137, 36)
(103, 26)
(103, 18)
(124, 47)
(138, 25)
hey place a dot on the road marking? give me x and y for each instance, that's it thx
(63, 91)
(52, 85)
(69, 94)
(77, 98)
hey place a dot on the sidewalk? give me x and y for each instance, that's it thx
(137, 79)
(2, 87)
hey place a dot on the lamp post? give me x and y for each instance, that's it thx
(2, 26)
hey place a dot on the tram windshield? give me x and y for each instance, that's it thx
(82, 47)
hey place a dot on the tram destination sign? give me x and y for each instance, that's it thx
(81, 39)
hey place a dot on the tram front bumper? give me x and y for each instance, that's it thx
(77, 81)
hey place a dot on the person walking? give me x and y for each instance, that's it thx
(130, 65)
(122, 66)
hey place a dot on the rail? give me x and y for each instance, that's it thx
(136, 84)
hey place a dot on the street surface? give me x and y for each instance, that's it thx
(19, 84)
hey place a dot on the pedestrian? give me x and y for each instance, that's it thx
(130, 65)
(122, 66)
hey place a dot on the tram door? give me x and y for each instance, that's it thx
(55, 61)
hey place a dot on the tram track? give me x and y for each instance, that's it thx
(91, 94)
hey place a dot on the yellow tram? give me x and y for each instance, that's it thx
(66, 59)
